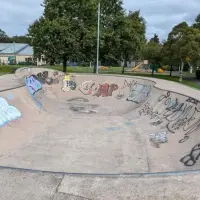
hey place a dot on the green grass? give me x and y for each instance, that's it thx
(112, 70)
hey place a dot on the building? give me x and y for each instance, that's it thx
(16, 53)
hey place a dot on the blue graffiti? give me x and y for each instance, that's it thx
(7, 112)
(10, 96)
(129, 123)
(33, 85)
(112, 128)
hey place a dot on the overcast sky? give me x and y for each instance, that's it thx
(160, 15)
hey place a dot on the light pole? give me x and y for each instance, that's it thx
(98, 36)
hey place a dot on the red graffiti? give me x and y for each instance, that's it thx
(98, 90)
(106, 90)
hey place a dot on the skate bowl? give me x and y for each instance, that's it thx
(98, 124)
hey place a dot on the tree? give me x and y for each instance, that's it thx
(183, 45)
(155, 39)
(152, 52)
(65, 31)
(3, 37)
(132, 37)
(21, 39)
(197, 22)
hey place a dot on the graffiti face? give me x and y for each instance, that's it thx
(191, 159)
(7, 112)
(68, 84)
(139, 93)
(33, 85)
(95, 89)
(43, 77)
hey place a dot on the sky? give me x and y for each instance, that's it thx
(160, 15)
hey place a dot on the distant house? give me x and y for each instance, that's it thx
(16, 53)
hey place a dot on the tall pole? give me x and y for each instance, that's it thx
(98, 36)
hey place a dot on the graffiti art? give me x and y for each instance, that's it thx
(139, 93)
(191, 159)
(44, 78)
(33, 84)
(175, 114)
(7, 112)
(68, 84)
(96, 89)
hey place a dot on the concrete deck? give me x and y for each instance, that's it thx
(92, 142)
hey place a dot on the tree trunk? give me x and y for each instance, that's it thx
(171, 69)
(125, 65)
(153, 69)
(181, 71)
(65, 64)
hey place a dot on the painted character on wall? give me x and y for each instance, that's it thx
(68, 84)
(33, 84)
(7, 112)
(95, 89)
(139, 93)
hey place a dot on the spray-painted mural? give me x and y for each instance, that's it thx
(96, 89)
(33, 84)
(68, 83)
(7, 112)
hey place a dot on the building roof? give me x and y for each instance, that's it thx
(16, 48)
(26, 51)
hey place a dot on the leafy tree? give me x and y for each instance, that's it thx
(132, 37)
(197, 22)
(152, 52)
(3, 37)
(155, 39)
(21, 39)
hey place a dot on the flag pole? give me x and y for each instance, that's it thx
(98, 36)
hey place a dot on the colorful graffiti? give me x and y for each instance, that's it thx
(33, 84)
(68, 84)
(44, 78)
(7, 112)
(139, 93)
(174, 115)
(96, 89)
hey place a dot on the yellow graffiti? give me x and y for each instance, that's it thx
(67, 77)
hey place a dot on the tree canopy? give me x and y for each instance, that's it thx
(68, 31)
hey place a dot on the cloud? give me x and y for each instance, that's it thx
(161, 15)
(17, 15)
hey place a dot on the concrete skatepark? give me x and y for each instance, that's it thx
(88, 136)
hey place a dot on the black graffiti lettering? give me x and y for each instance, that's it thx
(177, 115)
(191, 159)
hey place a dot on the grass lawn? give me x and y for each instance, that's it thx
(112, 70)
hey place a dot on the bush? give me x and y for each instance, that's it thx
(198, 74)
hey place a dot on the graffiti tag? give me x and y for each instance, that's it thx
(191, 159)
(7, 112)
(175, 115)
(139, 93)
(95, 89)
(44, 77)
(33, 84)
(68, 84)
